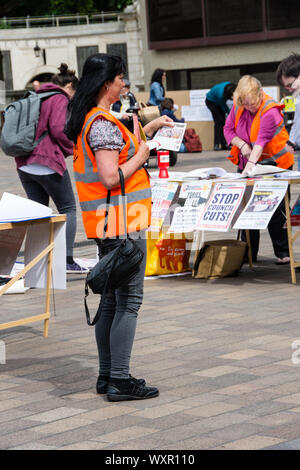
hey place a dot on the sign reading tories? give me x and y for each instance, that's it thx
(265, 198)
(221, 207)
(192, 197)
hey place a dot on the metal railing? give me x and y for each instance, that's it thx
(60, 20)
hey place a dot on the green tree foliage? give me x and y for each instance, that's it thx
(13, 8)
(60, 7)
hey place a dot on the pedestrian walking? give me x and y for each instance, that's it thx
(44, 173)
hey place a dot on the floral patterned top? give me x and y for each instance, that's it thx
(106, 135)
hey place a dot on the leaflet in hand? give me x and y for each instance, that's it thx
(168, 138)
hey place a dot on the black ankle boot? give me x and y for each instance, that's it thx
(101, 385)
(129, 389)
(102, 382)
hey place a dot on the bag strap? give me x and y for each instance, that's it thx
(122, 183)
(106, 213)
(103, 296)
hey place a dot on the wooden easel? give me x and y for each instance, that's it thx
(47, 251)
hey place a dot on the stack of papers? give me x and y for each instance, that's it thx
(258, 169)
(207, 172)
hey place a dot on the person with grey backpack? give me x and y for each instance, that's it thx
(33, 133)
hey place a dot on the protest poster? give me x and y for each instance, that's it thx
(265, 198)
(163, 193)
(192, 197)
(221, 207)
(295, 214)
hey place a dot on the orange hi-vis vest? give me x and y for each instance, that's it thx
(92, 193)
(273, 151)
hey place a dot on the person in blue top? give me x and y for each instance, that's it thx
(216, 102)
(157, 90)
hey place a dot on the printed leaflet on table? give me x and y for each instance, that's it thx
(163, 193)
(192, 198)
(265, 198)
(295, 214)
(221, 206)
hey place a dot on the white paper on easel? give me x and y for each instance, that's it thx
(16, 208)
(36, 241)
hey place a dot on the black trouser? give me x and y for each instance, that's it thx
(40, 188)
(219, 121)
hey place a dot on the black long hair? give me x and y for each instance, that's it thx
(157, 77)
(97, 69)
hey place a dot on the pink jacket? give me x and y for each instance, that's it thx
(55, 147)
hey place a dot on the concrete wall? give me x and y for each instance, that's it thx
(212, 56)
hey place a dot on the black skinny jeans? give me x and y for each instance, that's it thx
(115, 329)
(40, 188)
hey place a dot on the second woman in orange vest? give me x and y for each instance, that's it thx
(256, 130)
(102, 145)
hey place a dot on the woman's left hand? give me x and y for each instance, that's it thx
(163, 121)
(157, 123)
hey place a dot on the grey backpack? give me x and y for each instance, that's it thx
(20, 123)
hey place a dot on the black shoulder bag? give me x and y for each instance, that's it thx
(117, 267)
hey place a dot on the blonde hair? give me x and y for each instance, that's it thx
(248, 86)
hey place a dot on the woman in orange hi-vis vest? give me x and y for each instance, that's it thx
(102, 145)
(256, 130)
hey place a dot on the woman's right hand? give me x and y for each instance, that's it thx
(143, 152)
(245, 150)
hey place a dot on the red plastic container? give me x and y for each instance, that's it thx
(163, 160)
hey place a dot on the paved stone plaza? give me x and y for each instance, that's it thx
(220, 351)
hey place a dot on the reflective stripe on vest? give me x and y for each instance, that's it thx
(89, 176)
(93, 195)
(115, 200)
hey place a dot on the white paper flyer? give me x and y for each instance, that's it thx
(168, 138)
(163, 193)
(265, 198)
(192, 198)
(221, 206)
